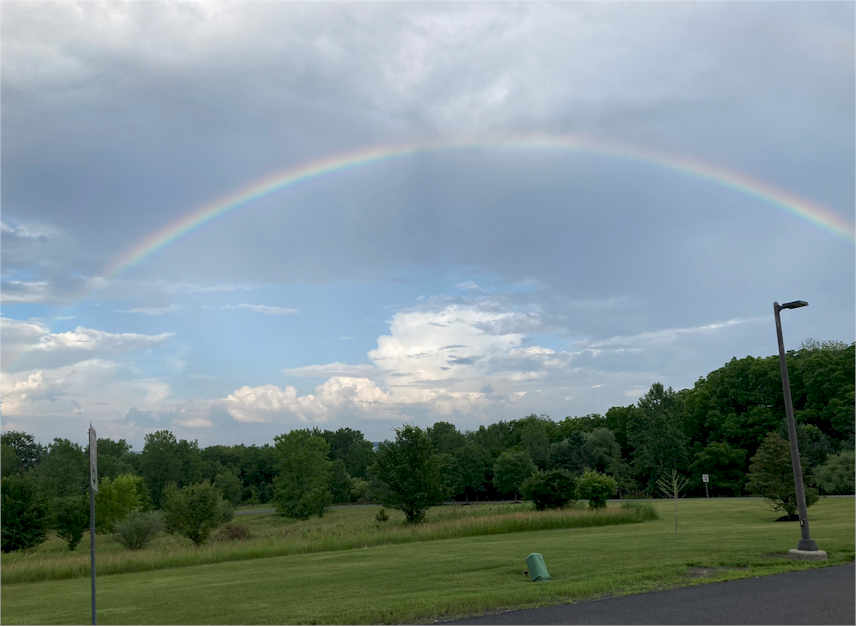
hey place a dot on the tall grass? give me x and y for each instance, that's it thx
(297, 539)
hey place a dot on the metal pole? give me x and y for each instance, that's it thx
(92, 546)
(706, 489)
(805, 543)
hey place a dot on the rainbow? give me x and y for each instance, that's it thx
(741, 183)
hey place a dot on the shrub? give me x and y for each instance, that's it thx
(382, 516)
(836, 476)
(549, 490)
(596, 488)
(233, 531)
(23, 518)
(71, 519)
(194, 511)
(137, 529)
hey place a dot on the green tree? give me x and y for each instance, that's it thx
(116, 498)
(304, 472)
(340, 482)
(535, 440)
(9, 461)
(583, 424)
(160, 463)
(600, 448)
(511, 470)
(71, 518)
(445, 437)
(771, 476)
(596, 487)
(193, 511)
(63, 470)
(724, 464)
(549, 490)
(28, 451)
(411, 473)
(23, 521)
(660, 445)
(569, 454)
(229, 485)
(836, 476)
(165, 460)
(474, 466)
(114, 458)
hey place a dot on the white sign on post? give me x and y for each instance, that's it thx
(93, 459)
(705, 478)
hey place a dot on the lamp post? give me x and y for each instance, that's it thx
(805, 543)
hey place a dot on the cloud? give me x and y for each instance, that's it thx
(335, 369)
(93, 389)
(151, 311)
(31, 344)
(668, 336)
(269, 403)
(263, 309)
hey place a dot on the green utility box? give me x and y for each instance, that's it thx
(537, 568)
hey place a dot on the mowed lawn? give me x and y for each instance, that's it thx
(422, 581)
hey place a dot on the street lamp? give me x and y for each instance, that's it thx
(805, 543)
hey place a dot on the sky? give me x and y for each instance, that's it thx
(234, 219)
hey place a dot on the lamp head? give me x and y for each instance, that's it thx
(794, 304)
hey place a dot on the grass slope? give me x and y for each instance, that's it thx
(423, 580)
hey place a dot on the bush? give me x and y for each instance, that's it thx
(382, 516)
(137, 529)
(194, 511)
(596, 488)
(23, 518)
(71, 519)
(836, 476)
(549, 490)
(233, 531)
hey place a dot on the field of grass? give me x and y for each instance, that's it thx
(427, 578)
(273, 536)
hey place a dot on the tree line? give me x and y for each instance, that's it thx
(719, 427)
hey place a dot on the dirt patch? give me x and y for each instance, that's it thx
(695, 572)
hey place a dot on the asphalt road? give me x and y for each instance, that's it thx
(823, 596)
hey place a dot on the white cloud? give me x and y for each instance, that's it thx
(195, 423)
(333, 370)
(668, 336)
(270, 403)
(151, 311)
(95, 388)
(264, 309)
(29, 344)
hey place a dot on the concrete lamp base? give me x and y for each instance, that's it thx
(817, 556)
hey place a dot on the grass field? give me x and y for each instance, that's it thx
(430, 578)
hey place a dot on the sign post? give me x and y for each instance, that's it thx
(705, 481)
(93, 488)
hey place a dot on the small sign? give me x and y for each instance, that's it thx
(93, 459)
(705, 478)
